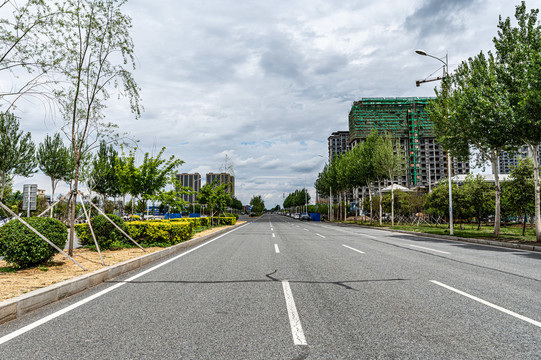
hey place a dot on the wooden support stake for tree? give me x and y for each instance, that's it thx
(41, 236)
(111, 221)
(91, 230)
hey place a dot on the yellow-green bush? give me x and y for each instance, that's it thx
(227, 220)
(163, 233)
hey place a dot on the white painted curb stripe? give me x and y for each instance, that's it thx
(349, 247)
(429, 249)
(484, 302)
(276, 248)
(294, 321)
(52, 316)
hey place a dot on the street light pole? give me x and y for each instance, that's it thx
(445, 73)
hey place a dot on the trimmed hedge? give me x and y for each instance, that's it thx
(146, 233)
(227, 220)
(163, 233)
(22, 247)
(107, 235)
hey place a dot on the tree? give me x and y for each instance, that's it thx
(214, 196)
(518, 50)
(236, 203)
(519, 193)
(389, 159)
(154, 174)
(257, 203)
(473, 111)
(95, 52)
(103, 172)
(54, 161)
(23, 46)
(477, 193)
(16, 151)
(437, 202)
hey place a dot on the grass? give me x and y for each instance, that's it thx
(507, 233)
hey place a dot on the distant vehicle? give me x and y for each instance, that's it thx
(296, 216)
(305, 217)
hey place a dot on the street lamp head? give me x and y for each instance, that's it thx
(421, 52)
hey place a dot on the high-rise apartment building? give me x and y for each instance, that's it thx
(408, 120)
(338, 143)
(192, 181)
(223, 178)
(507, 160)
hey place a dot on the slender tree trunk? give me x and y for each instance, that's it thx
(73, 205)
(371, 206)
(380, 204)
(362, 205)
(498, 193)
(524, 224)
(392, 205)
(356, 192)
(52, 197)
(3, 186)
(537, 214)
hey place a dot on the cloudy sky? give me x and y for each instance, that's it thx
(266, 82)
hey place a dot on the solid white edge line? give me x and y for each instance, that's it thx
(425, 248)
(484, 302)
(349, 247)
(54, 315)
(294, 320)
(320, 235)
(276, 248)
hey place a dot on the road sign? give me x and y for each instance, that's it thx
(30, 196)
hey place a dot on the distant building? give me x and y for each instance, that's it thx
(507, 161)
(408, 120)
(192, 181)
(223, 178)
(338, 143)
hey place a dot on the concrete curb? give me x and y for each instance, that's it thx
(16, 307)
(536, 248)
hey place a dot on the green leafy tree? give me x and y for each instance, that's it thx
(519, 194)
(54, 161)
(518, 50)
(16, 151)
(257, 203)
(477, 193)
(473, 111)
(103, 172)
(214, 197)
(389, 158)
(95, 53)
(437, 202)
(154, 174)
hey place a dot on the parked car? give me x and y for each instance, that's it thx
(305, 217)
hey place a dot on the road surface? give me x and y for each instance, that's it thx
(278, 288)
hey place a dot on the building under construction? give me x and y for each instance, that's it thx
(408, 120)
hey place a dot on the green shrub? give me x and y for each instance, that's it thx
(23, 248)
(107, 235)
(236, 216)
(227, 220)
(165, 233)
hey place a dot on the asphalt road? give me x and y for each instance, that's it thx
(278, 288)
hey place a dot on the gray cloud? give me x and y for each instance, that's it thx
(438, 17)
(267, 82)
